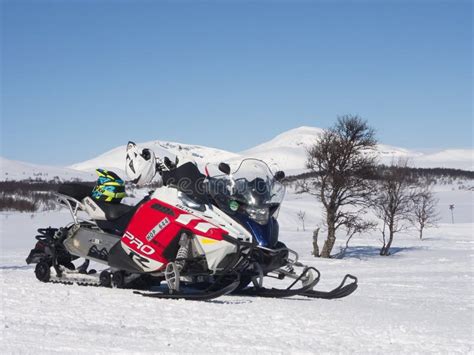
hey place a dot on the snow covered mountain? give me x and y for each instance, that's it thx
(451, 158)
(287, 151)
(115, 158)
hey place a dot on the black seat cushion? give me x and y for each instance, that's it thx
(117, 225)
(76, 190)
(114, 210)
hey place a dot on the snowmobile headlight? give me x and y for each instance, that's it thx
(259, 215)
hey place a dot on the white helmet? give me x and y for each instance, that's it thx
(140, 167)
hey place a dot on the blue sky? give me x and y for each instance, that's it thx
(82, 77)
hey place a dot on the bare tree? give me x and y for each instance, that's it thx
(301, 216)
(342, 161)
(425, 213)
(393, 204)
(356, 225)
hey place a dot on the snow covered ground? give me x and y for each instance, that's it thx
(419, 300)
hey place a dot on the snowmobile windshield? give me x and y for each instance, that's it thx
(251, 189)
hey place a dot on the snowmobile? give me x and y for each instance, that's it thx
(197, 237)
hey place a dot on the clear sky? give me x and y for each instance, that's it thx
(81, 77)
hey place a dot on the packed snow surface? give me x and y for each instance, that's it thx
(419, 300)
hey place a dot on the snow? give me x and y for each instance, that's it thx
(115, 158)
(287, 151)
(16, 170)
(454, 158)
(419, 300)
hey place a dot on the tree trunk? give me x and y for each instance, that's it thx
(382, 250)
(331, 239)
(315, 243)
(386, 249)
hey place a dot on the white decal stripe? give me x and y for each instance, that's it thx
(130, 235)
(186, 218)
(204, 227)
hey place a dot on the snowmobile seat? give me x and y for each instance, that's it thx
(81, 191)
(118, 217)
(77, 191)
(114, 210)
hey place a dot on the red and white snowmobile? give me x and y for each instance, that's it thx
(196, 237)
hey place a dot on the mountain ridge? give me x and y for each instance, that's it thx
(286, 151)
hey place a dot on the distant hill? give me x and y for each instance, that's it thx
(16, 170)
(286, 151)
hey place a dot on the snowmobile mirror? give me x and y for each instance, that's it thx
(225, 168)
(279, 175)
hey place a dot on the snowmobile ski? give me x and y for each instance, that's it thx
(339, 292)
(192, 296)
(281, 293)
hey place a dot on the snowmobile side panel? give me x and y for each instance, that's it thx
(156, 227)
(90, 244)
(119, 259)
(215, 250)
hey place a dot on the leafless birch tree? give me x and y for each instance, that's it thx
(393, 204)
(425, 213)
(342, 160)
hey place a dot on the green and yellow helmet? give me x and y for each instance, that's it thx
(109, 187)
